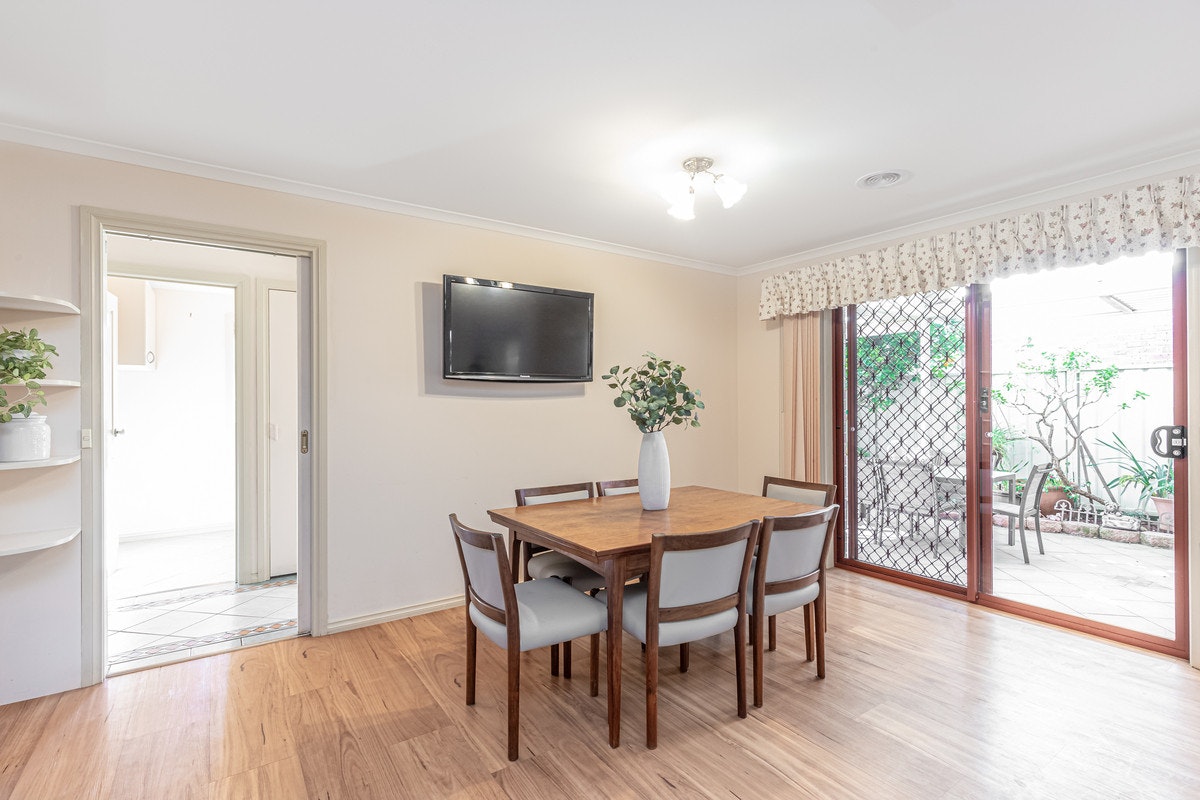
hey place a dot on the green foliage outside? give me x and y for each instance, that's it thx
(654, 394)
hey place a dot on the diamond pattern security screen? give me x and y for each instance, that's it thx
(905, 399)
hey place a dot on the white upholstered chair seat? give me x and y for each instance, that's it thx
(550, 612)
(549, 564)
(633, 620)
(786, 601)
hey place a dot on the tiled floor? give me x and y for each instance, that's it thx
(1130, 585)
(174, 598)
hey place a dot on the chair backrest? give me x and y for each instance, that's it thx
(486, 573)
(695, 575)
(554, 494)
(626, 486)
(793, 550)
(814, 494)
(1034, 484)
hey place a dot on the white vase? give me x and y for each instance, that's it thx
(654, 472)
(25, 439)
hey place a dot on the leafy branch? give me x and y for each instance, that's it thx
(654, 394)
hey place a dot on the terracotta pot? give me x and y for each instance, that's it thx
(1165, 506)
(1050, 496)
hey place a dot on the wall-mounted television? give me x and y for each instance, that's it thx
(501, 331)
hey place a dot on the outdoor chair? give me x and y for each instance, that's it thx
(696, 589)
(519, 617)
(1031, 498)
(789, 572)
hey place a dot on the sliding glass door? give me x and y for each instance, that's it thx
(1012, 443)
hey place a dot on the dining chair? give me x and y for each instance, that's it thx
(538, 562)
(607, 488)
(519, 616)
(696, 589)
(1031, 498)
(814, 494)
(789, 572)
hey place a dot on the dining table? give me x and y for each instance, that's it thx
(612, 536)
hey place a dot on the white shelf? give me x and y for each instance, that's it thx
(34, 302)
(26, 542)
(55, 383)
(53, 461)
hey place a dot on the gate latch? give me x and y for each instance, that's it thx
(1169, 441)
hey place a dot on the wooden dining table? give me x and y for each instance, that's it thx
(612, 536)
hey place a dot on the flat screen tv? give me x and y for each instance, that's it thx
(500, 331)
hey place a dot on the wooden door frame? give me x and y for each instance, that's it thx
(1187, 627)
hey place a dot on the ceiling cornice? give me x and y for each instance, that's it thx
(198, 169)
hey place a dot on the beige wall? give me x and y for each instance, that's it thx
(760, 392)
(405, 447)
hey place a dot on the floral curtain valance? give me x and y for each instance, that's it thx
(1158, 216)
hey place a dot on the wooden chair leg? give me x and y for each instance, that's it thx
(739, 659)
(684, 657)
(819, 629)
(756, 641)
(514, 702)
(516, 558)
(472, 637)
(808, 632)
(594, 659)
(771, 633)
(651, 696)
(554, 659)
(566, 659)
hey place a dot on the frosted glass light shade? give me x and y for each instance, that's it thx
(729, 190)
(684, 208)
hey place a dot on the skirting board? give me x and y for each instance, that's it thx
(388, 616)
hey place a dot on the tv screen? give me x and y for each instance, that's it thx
(500, 331)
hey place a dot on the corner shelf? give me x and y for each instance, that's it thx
(12, 544)
(35, 302)
(53, 461)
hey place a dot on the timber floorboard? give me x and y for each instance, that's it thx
(925, 697)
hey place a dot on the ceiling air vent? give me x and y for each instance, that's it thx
(884, 179)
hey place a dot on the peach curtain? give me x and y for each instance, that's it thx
(802, 381)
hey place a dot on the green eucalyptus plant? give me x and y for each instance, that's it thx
(654, 394)
(24, 359)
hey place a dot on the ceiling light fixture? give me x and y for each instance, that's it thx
(681, 193)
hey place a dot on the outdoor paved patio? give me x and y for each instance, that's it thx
(1131, 585)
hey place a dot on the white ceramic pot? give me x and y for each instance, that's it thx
(25, 439)
(654, 472)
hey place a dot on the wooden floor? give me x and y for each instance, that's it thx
(925, 698)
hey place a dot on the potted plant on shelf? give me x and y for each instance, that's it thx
(1155, 481)
(24, 359)
(655, 396)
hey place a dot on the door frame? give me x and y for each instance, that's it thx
(264, 287)
(94, 225)
(1185, 339)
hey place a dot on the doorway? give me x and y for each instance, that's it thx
(185, 402)
(951, 400)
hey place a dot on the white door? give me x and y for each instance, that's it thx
(282, 430)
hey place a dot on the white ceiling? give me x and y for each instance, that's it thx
(558, 119)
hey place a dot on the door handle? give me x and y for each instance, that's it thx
(1169, 441)
(117, 431)
(303, 441)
